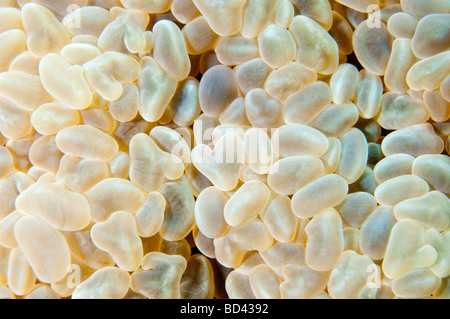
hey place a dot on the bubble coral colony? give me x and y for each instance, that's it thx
(224, 149)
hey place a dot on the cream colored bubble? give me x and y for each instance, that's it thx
(6, 162)
(258, 150)
(170, 50)
(234, 50)
(12, 43)
(19, 150)
(11, 19)
(237, 286)
(276, 46)
(203, 129)
(209, 212)
(372, 46)
(79, 53)
(440, 242)
(197, 281)
(402, 25)
(299, 140)
(350, 276)
(414, 140)
(197, 180)
(20, 277)
(331, 157)
(317, 49)
(231, 248)
(160, 277)
(284, 13)
(307, 103)
(204, 244)
(445, 89)
(354, 153)
(126, 107)
(105, 283)
(119, 166)
(4, 256)
(400, 61)
(44, 153)
(320, 11)
(149, 165)
(86, 142)
(218, 88)
(251, 260)
(38, 20)
(375, 232)
(400, 188)
(252, 74)
(198, 36)
(57, 206)
(14, 120)
(79, 175)
(351, 239)
(281, 255)
(25, 62)
(368, 94)
(42, 291)
(417, 283)
(256, 17)
(156, 88)
(111, 195)
(125, 33)
(90, 20)
(322, 229)
(302, 282)
(336, 119)
(178, 247)
(265, 282)
(172, 142)
(342, 32)
(437, 105)
(82, 248)
(66, 83)
(279, 218)
(393, 166)
(246, 203)
(224, 17)
(356, 207)
(222, 164)
(185, 102)
(107, 72)
(406, 249)
(184, 10)
(429, 73)
(7, 229)
(343, 83)
(292, 173)
(262, 110)
(151, 6)
(400, 111)
(126, 246)
(420, 9)
(179, 211)
(46, 249)
(50, 118)
(431, 210)
(10, 187)
(285, 81)
(23, 89)
(361, 6)
(434, 168)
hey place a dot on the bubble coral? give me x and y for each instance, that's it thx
(224, 149)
